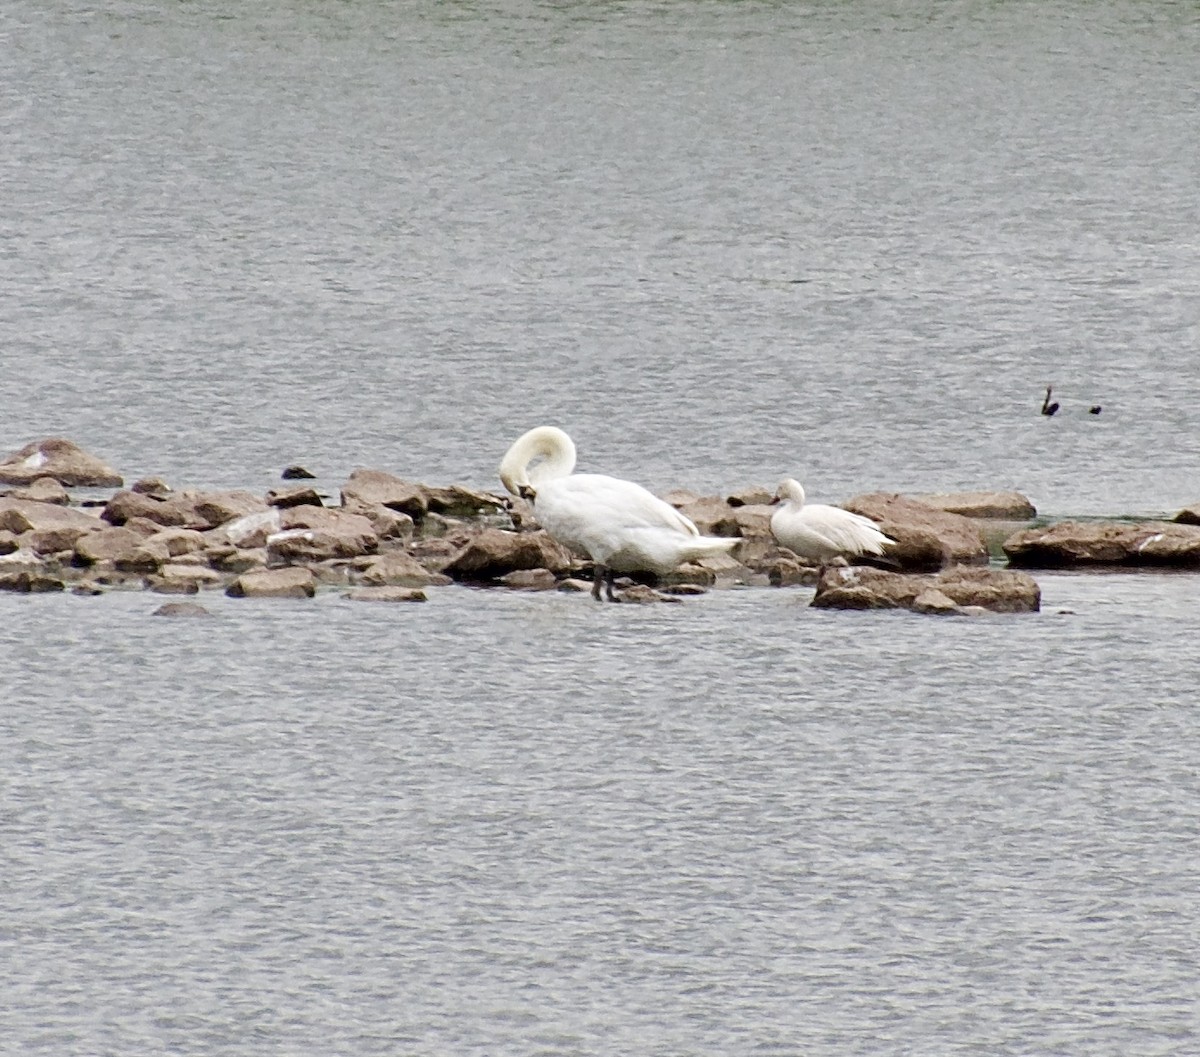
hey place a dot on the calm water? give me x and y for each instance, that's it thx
(719, 243)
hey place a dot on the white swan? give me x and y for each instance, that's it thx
(822, 532)
(620, 525)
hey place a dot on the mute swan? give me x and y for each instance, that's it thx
(620, 525)
(822, 532)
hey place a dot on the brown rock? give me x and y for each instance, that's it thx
(1189, 515)
(27, 515)
(146, 557)
(297, 473)
(8, 541)
(1071, 543)
(293, 582)
(28, 582)
(61, 459)
(181, 609)
(925, 538)
(713, 517)
(285, 497)
(43, 490)
(312, 534)
(459, 501)
(754, 521)
(862, 587)
(386, 594)
(756, 495)
(250, 531)
(236, 560)
(150, 486)
(179, 541)
(218, 508)
(642, 594)
(371, 488)
(493, 552)
(162, 509)
(173, 576)
(398, 569)
(106, 544)
(1005, 506)
(530, 580)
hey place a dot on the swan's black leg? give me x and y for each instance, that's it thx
(597, 579)
(609, 576)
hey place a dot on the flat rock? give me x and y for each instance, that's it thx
(1005, 506)
(926, 538)
(862, 587)
(301, 496)
(219, 508)
(530, 580)
(164, 509)
(456, 500)
(313, 534)
(1073, 543)
(30, 515)
(61, 459)
(754, 495)
(293, 582)
(386, 594)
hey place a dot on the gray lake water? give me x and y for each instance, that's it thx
(719, 244)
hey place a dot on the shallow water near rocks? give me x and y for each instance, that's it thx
(719, 244)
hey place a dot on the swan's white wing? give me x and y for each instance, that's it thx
(848, 532)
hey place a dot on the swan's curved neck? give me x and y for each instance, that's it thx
(551, 445)
(793, 492)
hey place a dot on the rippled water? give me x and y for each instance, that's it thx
(718, 243)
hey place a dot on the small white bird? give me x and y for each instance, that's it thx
(820, 532)
(620, 525)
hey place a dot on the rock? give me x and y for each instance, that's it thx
(459, 501)
(106, 544)
(179, 541)
(386, 594)
(218, 508)
(1071, 543)
(154, 486)
(388, 524)
(43, 490)
(28, 582)
(754, 521)
(1005, 506)
(642, 594)
(862, 587)
(926, 538)
(64, 460)
(788, 571)
(292, 582)
(8, 542)
(398, 569)
(146, 557)
(286, 497)
(313, 534)
(174, 577)
(181, 609)
(1189, 515)
(713, 517)
(297, 473)
(237, 561)
(493, 552)
(371, 488)
(252, 530)
(681, 497)
(19, 516)
(753, 496)
(530, 580)
(163, 509)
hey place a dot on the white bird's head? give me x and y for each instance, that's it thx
(791, 491)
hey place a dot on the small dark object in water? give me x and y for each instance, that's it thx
(1047, 407)
(297, 473)
(1094, 409)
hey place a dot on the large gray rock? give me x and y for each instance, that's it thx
(1005, 506)
(293, 582)
(1071, 543)
(456, 500)
(28, 515)
(492, 552)
(926, 538)
(166, 509)
(43, 490)
(113, 544)
(860, 587)
(219, 508)
(64, 460)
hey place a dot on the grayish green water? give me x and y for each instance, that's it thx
(719, 243)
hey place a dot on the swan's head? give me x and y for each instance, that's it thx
(548, 443)
(790, 490)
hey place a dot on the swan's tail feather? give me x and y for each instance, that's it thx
(704, 546)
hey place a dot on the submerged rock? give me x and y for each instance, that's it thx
(386, 594)
(1073, 543)
(950, 591)
(63, 460)
(181, 609)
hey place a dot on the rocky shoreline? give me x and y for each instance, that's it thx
(386, 538)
